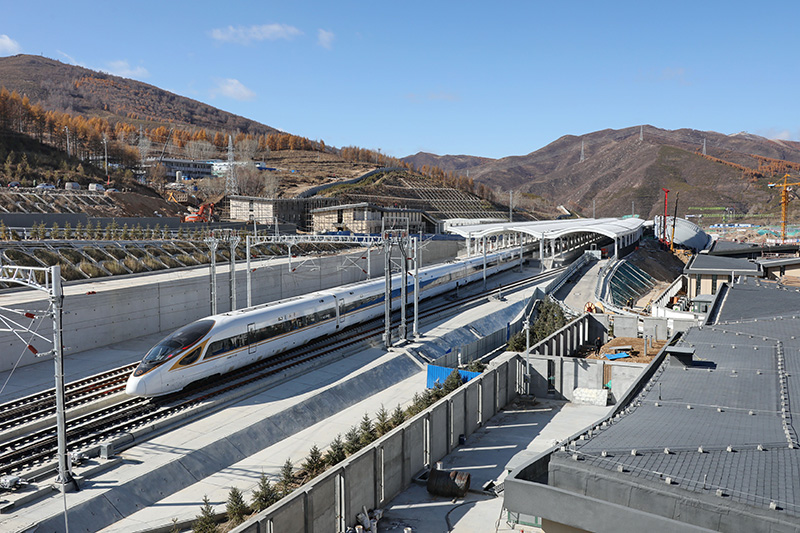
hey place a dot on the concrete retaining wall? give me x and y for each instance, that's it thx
(101, 313)
(379, 472)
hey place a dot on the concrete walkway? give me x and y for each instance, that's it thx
(511, 437)
(580, 289)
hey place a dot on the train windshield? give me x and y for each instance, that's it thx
(178, 341)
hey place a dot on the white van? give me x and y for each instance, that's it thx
(72, 185)
(96, 187)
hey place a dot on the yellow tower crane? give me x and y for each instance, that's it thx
(786, 188)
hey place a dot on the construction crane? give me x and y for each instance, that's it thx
(786, 188)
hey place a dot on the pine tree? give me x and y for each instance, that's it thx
(335, 453)
(398, 416)
(286, 484)
(235, 507)
(352, 441)
(382, 423)
(264, 494)
(366, 433)
(4, 235)
(452, 382)
(313, 464)
(205, 523)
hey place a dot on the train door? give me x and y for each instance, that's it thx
(251, 334)
(339, 310)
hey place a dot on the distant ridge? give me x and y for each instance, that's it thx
(621, 174)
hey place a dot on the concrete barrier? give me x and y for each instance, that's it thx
(379, 472)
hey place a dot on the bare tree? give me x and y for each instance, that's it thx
(246, 149)
(249, 178)
(200, 150)
(271, 183)
(211, 186)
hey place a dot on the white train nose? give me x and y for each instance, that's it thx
(136, 386)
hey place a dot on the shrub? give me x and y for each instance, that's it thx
(286, 484)
(398, 416)
(116, 252)
(95, 254)
(382, 422)
(70, 274)
(366, 432)
(134, 265)
(115, 267)
(153, 263)
(235, 507)
(205, 523)
(73, 256)
(264, 494)
(352, 441)
(186, 259)
(91, 270)
(22, 259)
(335, 453)
(314, 465)
(46, 256)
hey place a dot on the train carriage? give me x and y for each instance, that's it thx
(221, 343)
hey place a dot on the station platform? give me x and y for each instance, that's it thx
(513, 436)
(166, 478)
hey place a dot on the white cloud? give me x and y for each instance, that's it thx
(122, 68)
(248, 34)
(8, 46)
(69, 58)
(233, 88)
(776, 134)
(325, 38)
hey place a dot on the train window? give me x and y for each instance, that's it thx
(174, 343)
(192, 357)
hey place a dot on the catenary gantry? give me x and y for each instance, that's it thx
(554, 236)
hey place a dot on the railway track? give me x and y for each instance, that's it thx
(99, 410)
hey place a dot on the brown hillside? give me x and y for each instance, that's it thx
(77, 90)
(619, 169)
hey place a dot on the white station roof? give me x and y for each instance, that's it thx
(613, 228)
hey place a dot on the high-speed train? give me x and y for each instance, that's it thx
(221, 343)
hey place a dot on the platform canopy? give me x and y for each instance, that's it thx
(614, 228)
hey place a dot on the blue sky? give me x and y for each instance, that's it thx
(479, 78)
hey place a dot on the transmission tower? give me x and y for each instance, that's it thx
(231, 185)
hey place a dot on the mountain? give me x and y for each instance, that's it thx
(620, 172)
(448, 163)
(76, 90)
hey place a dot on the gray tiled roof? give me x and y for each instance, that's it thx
(704, 263)
(738, 394)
